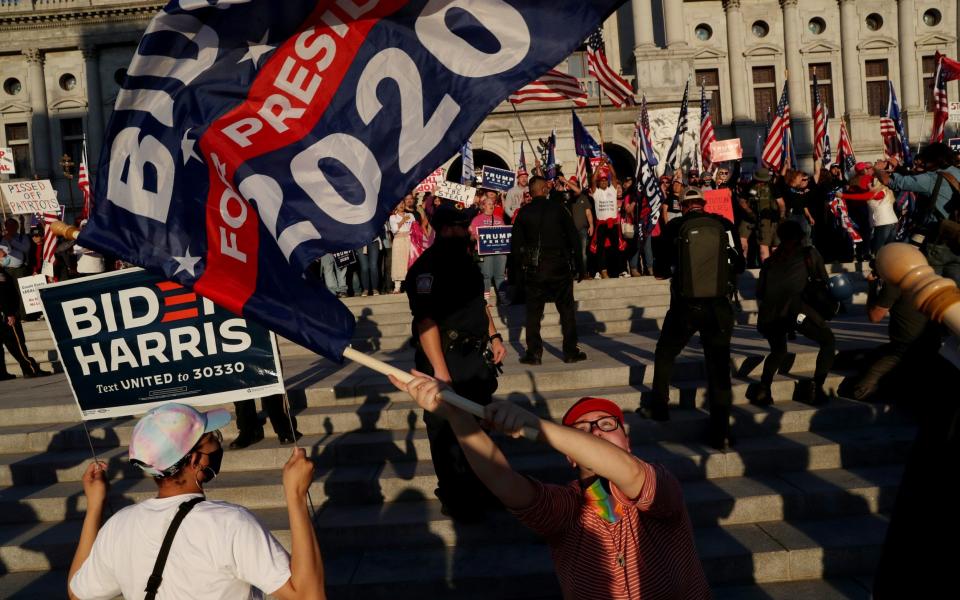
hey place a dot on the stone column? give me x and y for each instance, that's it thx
(791, 43)
(40, 123)
(909, 78)
(642, 24)
(739, 87)
(91, 65)
(675, 25)
(849, 27)
(796, 84)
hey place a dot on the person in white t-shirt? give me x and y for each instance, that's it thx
(221, 551)
(607, 241)
(515, 195)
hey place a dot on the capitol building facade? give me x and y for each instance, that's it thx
(62, 63)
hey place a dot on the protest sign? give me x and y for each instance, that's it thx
(431, 182)
(719, 202)
(130, 341)
(28, 197)
(456, 192)
(954, 144)
(29, 293)
(7, 166)
(953, 114)
(724, 150)
(494, 239)
(500, 180)
(344, 259)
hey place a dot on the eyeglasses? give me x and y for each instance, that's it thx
(606, 424)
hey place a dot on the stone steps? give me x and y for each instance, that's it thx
(795, 509)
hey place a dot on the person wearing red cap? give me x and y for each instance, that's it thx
(619, 531)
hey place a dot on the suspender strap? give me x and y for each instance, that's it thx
(156, 578)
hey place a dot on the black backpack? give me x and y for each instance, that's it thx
(704, 266)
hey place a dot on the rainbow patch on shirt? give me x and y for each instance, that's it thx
(603, 503)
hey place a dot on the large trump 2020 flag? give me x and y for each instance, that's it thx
(252, 137)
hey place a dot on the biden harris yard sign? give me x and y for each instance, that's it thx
(130, 341)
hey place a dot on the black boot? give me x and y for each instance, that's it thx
(760, 394)
(247, 438)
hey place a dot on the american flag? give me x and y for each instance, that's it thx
(778, 139)
(707, 135)
(49, 243)
(643, 121)
(552, 86)
(894, 135)
(845, 154)
(522, 167)
(821, 116)
(83, 182)
(674, 153)
(941, 109)
(615, 87)
(838, 207)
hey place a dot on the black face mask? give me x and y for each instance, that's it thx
(216, 459)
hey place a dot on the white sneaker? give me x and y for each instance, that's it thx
(597, 276)
(624, 275)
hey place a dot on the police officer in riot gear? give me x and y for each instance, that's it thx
(456, 342)
(546, 247)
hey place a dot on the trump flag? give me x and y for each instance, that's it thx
(251, 137)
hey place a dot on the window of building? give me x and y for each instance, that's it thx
(760, 29)
(12, 86)
(577, 63)
(817, 26)
(18, 139)
(764, 92)
(71, 137)
(932, 17)
(703, 32)
(68, 82)
(929, 73)
(710, 79)
(874, 22)
(824, 75)
(878, 92)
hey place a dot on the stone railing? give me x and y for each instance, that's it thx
(592, 86)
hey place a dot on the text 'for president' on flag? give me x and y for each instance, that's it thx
(252, 137)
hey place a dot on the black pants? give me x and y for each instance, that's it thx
(812, 327)
(911, 333)
(552, 282)
(247, 416)
(607, 256)
(910, 565)
(714, 319)
(15, 342)
(457, 485)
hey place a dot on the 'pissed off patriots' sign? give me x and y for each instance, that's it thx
(253, 136)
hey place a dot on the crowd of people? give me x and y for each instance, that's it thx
(620, 529)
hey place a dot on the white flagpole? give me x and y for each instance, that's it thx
(448, 396)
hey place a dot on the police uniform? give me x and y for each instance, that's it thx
(250, 427)
(12, 336)
(546, 245)
(713, 318)
(762, 201)
(445, 285)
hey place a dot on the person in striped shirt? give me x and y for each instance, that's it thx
(620, 531)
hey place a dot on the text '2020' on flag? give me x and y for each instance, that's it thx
(253, 136)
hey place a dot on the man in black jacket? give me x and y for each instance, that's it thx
(710, 314)
(545, 245)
